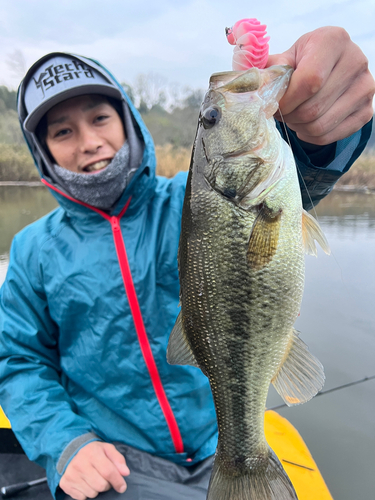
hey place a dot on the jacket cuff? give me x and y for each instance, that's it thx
(72, 448)
(54, 475)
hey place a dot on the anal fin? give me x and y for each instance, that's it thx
(311, 231)
(179, 351)
(300, 376)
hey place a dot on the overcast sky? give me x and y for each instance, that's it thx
(183, 41)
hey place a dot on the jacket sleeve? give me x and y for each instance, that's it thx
(42, 415)
(319, 168)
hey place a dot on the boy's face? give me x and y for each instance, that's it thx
(84, 133)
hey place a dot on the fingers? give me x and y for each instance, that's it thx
(96, 468)
(331, 90)
(317, 55)
(81, 485)
(78, 495)
(346, 115)
(314, 57)
(112, 468)
(351, 125)
(117, 459)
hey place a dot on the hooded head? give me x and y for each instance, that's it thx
(60, 77)
(56, 78)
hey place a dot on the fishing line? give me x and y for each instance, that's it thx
(285, 129)
(240, 47)
(338, 388)
(290, 145)
(299, 171)
(307, 191)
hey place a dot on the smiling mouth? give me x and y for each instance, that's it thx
(95, 167)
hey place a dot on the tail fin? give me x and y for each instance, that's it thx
(269, 482)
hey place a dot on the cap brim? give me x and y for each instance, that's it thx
(34, 118)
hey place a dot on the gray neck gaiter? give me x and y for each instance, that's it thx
(103, 189)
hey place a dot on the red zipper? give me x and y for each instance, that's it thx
(142, 336)
(137, 317)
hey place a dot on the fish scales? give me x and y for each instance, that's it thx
(241, 267)
(236, 302)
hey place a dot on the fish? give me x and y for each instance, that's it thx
(243, 237)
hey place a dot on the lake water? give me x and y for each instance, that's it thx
(337, 321)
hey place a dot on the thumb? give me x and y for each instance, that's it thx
(287, 103)
(117, 459)
(286, 58)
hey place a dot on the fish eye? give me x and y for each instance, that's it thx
(210, 117)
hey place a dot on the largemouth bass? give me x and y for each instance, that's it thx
(241, 263)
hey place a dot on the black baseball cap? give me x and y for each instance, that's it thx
(57, 77)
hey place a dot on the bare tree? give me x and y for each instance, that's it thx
(150, 90)
(16, 63)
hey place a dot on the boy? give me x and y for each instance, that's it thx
(82, 362)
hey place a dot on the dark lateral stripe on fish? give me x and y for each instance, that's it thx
(239, 321)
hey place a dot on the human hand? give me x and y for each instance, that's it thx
(331, 90)
(95, 468)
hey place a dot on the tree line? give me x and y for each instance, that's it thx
(170, 113)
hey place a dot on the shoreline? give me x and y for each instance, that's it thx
(21, 183)
(347, 188)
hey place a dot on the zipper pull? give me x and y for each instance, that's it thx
(115, 223)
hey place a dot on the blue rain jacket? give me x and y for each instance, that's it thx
(74, 363)
(83, 357)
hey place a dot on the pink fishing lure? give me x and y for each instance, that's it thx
(251, 44)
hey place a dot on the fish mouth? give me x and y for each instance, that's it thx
(249, 80)
(270, 84)
(97, 166)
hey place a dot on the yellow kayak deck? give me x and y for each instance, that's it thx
(295, 457)
(291, 451)
(4, 422)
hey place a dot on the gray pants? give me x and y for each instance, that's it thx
(153, 478)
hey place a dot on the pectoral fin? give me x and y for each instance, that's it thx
(311, 231)
(264, 238)
(179, 351)
(300, 376)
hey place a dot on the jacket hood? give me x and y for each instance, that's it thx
(142, 182)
